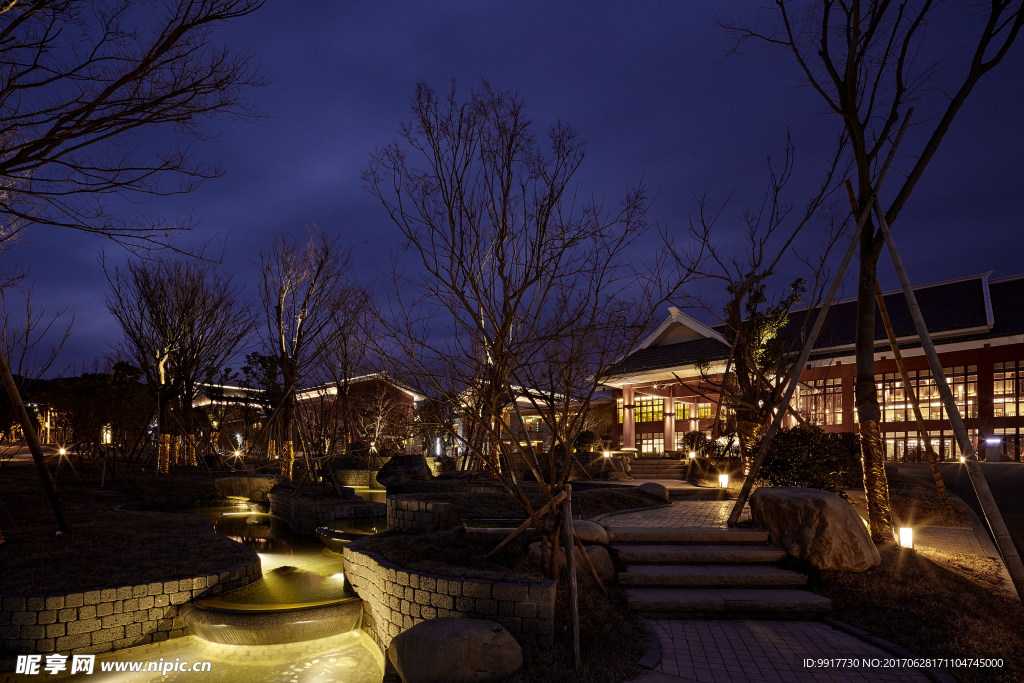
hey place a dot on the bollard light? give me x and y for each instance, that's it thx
(723, 481)
(607, 454)
(693, 454)
(62, 451)
(963, 459)
(906, 537)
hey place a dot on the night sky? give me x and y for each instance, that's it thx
(647, 84)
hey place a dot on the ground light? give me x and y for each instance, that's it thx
(963, 459)
(63, 452)
(607, 454)
(693, 454)
(906, 537)
(723, 481)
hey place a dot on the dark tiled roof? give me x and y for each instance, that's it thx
(671, 356)
(947, 308)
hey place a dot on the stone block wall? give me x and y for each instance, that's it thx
(358, 478)
(419, 516)
(97, 621)
(304, 515)
(395, 599)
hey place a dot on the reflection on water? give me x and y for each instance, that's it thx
(371, 495)
(347, 658)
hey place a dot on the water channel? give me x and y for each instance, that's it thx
(302, 584)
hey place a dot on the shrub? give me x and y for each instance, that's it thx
(588, 442)
(812, 458)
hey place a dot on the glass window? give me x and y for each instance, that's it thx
(704, 411)
(649, 409)
(651, 443)
(822, 402)
(682, 410)
(1006, 379)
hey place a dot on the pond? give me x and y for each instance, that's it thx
(300, 576)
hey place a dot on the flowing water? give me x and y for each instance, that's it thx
(298, 572)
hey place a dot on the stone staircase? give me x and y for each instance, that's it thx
(710, 573)
(658, 468)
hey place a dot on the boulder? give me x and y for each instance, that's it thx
(404, 468)
(248, 488)
(616, 476)
(816, 526)
(656, 489)
(590, 532)
(602, 562)
(454, 650)
(598, 555)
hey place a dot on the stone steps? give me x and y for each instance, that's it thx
(710, 576)
(667, 553)
(699, 536)
(727, 603)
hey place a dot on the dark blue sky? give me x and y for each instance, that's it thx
(647, 84)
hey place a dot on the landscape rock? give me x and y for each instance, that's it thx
(616, 476)
(602, 562)
(590, 532)
(454, 650)
(248, 488)
(401, 469)
(656, 489)
(814, 525)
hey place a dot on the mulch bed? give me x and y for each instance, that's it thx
(106, 548)
(934, 604)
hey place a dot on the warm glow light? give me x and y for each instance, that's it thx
(693, 454)
(62, 451)
(237, 454)
(607, 454)
(723, 481)
(963, 459)
(906, 537)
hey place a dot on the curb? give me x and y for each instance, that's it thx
(652, 657)
(933, 674)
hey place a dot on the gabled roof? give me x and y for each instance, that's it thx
(959, 310)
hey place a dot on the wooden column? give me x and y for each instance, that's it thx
(628, 419)
(670, 423)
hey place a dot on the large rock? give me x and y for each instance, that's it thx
(454, 650)
(598, 555)
(656, 489)
(401, 469)
(248, 488)
(602, 562)
(590, 532)
(816, 526)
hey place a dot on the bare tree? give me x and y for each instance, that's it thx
(300, 286)
(763, 338)
(524, 293)
(182, 322)
(78, 78)
(869, 63)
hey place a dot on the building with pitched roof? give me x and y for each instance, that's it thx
(976, 322)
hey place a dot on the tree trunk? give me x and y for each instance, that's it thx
(164, 460)
(876, 486)
(33, 445)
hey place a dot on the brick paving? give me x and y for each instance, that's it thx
(765, 651)
(703, 514)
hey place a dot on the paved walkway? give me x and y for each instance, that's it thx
(768, 651)
(703, 514)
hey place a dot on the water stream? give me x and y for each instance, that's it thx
(300, 577)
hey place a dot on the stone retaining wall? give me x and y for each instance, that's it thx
(304, 515)
(97, 621)
(395, 599)
(419, 516)
(358, 478)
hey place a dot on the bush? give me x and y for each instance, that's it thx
(588, 442)
(812, 458)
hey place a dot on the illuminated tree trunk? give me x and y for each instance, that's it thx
(287, 458)
(164, 459)
(176, 450)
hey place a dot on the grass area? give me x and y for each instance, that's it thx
(456, 553)
(934, 604)
(501, 505)
(916, 502)
(106, 548)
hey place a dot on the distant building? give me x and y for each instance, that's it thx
(977, 324)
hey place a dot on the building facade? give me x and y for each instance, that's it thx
(977, 324)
